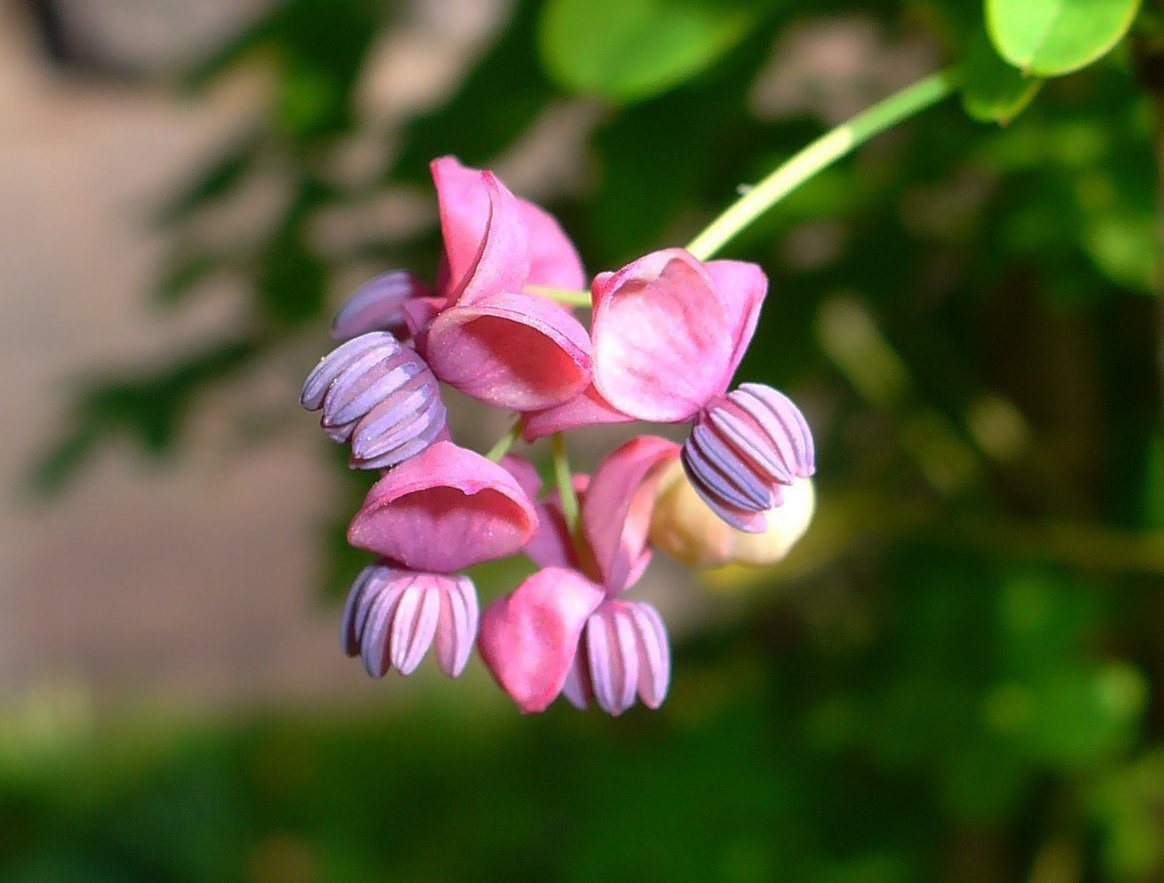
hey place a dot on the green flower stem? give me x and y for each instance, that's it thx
(503, 445)
(820, 154)
(565, 481)
(566, 296)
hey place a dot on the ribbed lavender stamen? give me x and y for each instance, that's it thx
(377, 305)
(393, 616)
(743, 447)
(380, 396)
(623, 652)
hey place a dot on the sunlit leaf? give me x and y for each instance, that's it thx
(1052, 37)
(992, 90)
(627, 50)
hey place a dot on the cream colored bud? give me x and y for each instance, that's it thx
(685, 528)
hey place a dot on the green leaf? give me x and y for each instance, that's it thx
(1053, 37)
(992, 90)
(628, 50)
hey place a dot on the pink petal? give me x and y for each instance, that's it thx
(484, 234)
(616, 513)
(524, 473)
(457, 626)
(552, 545)
(511, 351)
(553, 260)
(443, 510)
(741, 288)
(576, 689)
(662, 340)
(528, 639)
(586, 409)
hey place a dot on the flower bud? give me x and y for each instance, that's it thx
(684, 527)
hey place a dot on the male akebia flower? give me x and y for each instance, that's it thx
(433, 515)
(379, 395)
(566, 629)
(743, 449)
(393, 615)
(668, 333)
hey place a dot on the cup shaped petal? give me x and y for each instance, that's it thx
(588, 408)
(741, 287)
(528, 638)
(486, 247)
(443, 510)
(663, 342)
(616, 511)
(553, 260)
(511, 351)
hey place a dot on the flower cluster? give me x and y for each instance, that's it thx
(666, 334)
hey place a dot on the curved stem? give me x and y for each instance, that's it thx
(819, 154)
(504, 443)
(565, 481)
(566, 296)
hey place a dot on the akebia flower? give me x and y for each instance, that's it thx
(530, 638)
(380, 396)
(491, 339)
(441, 511)
(667, 333)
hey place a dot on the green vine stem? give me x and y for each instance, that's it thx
(565, 481)
(822, 152)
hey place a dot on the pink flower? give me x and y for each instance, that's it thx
(530, 638)
(441, 511)
(480, 331)
(667, 334)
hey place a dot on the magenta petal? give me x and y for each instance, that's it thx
(524, 473)
(511, 351)
(484, 234)
(553, 260)
(576, 688)
(741, 288)
(552, 545)
(616, 512)
(586, 409)
(528, 639)
(465, 209)
(443, 510)
(662, 340)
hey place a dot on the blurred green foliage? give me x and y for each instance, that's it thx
(958, 674)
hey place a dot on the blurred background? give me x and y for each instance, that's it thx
(958, 674)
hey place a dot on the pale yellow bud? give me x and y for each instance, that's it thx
(686, 529)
